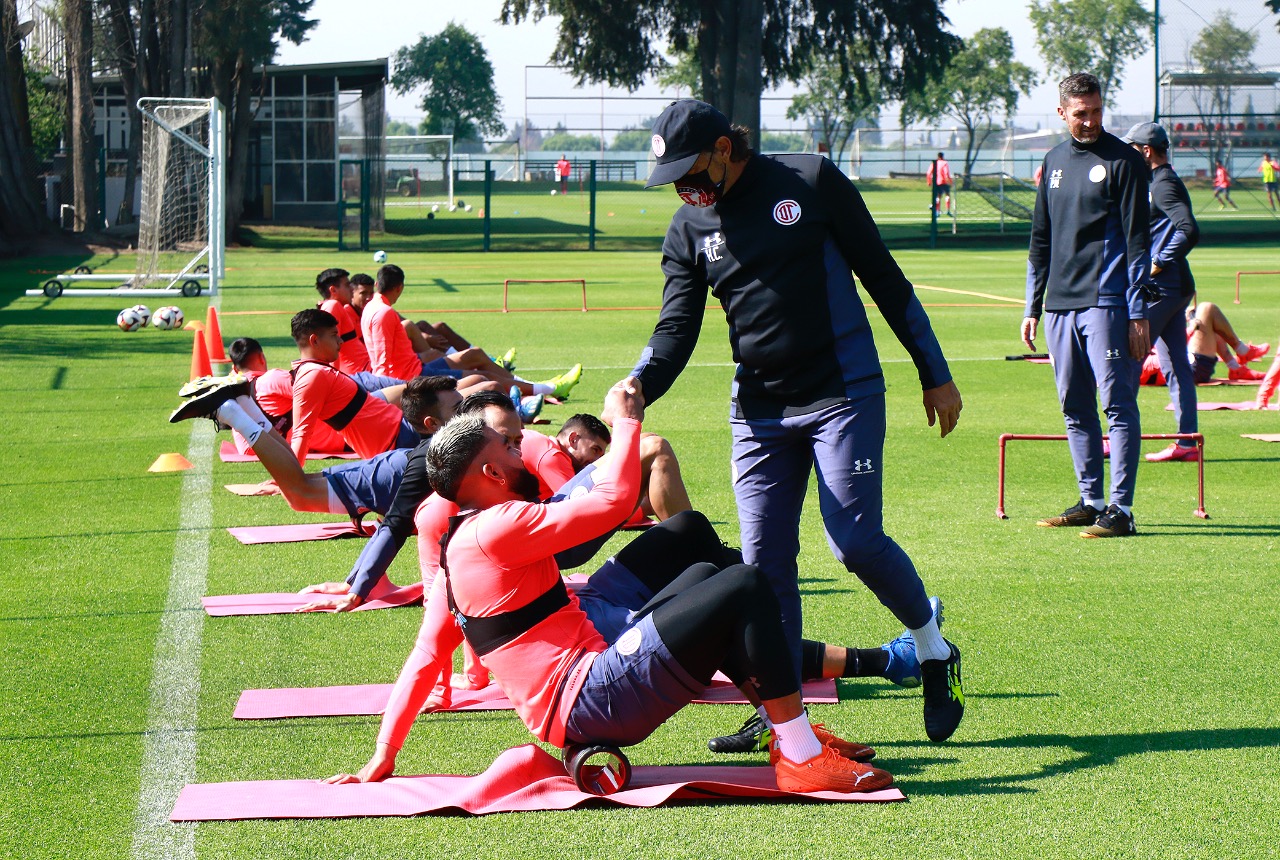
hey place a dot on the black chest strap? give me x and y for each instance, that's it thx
(486, 633)
(340, 419)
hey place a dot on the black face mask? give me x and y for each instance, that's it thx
(698, 189)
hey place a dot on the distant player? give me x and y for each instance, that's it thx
(942, 190)
(334, 288)
(563, 169)
(1222, 186)
(1268, 170)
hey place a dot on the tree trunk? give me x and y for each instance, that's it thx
(20, 214)
(124, 40)
(730, 39)
(240, 123)
(748, 80)
(78, 26)
(708, 41)
(179, 48)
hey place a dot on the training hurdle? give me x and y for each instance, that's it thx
(1239, 274)
(509, 281)
(1006, 438)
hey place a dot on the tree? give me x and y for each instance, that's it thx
(399, 128)
(1221, 53)
(563, 141)
(741, 46)
(1098, 36)
(20, 211)
(634, 138)
(981, 84)
(77, 26)
(455, 70)
(833, 110)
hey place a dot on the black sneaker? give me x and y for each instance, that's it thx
(1078, 514)
(754, 735)
(206, 403)
(1113, 523)
(943, 695)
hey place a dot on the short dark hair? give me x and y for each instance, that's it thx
(360, 279)
(740, 136)
(390, 276)
(242, 349)
(940, 155)
(586, 423)
(477, 402)
(452, 452)
(1079, 84)
(309, 322)
(421, 395)
(329, 278)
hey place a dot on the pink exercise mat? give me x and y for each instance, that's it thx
(1213, 406)
(525, 778)
(371, 699)
(279, 603)
(228, 453)
(300, 532)
(1262, 437)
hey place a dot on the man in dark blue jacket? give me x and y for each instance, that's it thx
(775, 239)
(1089, 265)
(1174, 233)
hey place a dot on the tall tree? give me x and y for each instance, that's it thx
(77, 26)
(981, 84)
(20, 211)
(453, 68)
(834, 111)
(1222, 52)
(742, 46)
(1098, 36)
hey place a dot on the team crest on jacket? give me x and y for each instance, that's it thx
(786, 212)
(1097, 173)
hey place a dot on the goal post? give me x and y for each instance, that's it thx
(182, 207)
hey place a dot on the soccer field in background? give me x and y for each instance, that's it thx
(1121, 694)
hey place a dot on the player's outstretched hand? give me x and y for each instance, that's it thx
(326, 588)
(624, 400)
(1139, 339)
(943, 405)
(1029, 325)
(381, 766)
(333, 603)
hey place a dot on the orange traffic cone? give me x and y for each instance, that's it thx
(213, 338)
(200, 357)
(170, 463)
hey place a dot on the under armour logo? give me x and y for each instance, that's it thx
(1113, 354)
(862, 466)
(711, 246)
(1055, 179)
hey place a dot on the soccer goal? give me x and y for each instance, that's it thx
(420, 170)
(182, 208)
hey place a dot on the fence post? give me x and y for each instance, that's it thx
(933, 206)
(102, 187)
(591, 210)
(488, 200)
(366, 203)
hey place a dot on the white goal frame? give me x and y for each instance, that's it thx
(207, 266)
(409, 160)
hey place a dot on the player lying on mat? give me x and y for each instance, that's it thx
(501, 589)
(557, 462)
(1210, 337)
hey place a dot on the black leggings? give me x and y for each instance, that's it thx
(729, 620)
(663, 552)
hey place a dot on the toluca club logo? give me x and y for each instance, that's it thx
(786, 212)
(694, 195)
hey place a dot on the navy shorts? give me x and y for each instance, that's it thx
(610, 597)
(630, 690)
(440, 367)
(1202, 367)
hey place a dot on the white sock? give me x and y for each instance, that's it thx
(1241, 347)
(1232, 363)
(254, 411)
(796, 739)
(929, 642)
(1096, 504)
(764, 716)
(1128, 510)
(543, 388)
(234, 416)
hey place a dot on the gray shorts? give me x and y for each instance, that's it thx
(630, 690)
(1202, 367)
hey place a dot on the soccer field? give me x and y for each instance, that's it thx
(1120, 696)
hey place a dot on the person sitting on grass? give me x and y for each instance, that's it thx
(1210, 337)
(501, 589)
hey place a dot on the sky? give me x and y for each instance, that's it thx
(345, 32)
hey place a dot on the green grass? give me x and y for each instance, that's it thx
(1121, 694)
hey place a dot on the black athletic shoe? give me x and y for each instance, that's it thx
(1113, 523)
(943, 695)
(1078, 514)
(754, 735)
(206, 403)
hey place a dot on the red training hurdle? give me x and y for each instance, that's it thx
(1238, 274)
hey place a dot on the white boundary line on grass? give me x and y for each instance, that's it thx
(169, 744)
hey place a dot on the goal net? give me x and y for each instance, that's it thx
(181, 213)
(420, 170)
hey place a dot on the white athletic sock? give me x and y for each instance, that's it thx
(1096, 504)
(543, 388)
(929, 642)
(234, 416)
(1241, 347)
(764, 715)
(1232, 363)
(1128, 511)
(254, 411)
(796, 739)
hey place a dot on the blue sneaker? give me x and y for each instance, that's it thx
(526, 407)
(904, 668)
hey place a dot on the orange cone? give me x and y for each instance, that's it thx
(170, 463)
(200, 357)
(213, 338)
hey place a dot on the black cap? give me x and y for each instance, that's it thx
(685, 130)
(1148, 134)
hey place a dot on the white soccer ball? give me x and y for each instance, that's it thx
(467, 208)
(379, 257)
(453, 207)
(554, 192)
(130, 320)
(168, 318)
(145, 312)
(435, 207)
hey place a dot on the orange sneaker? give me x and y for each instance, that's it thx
(1245, 374)
(829, 771)
(1254, 351)
(843, 748)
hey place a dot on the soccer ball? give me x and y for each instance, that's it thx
(435, 207)
(168, 317)
(379, 257)
(145, 312)
(130, 320)
(554, 192)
